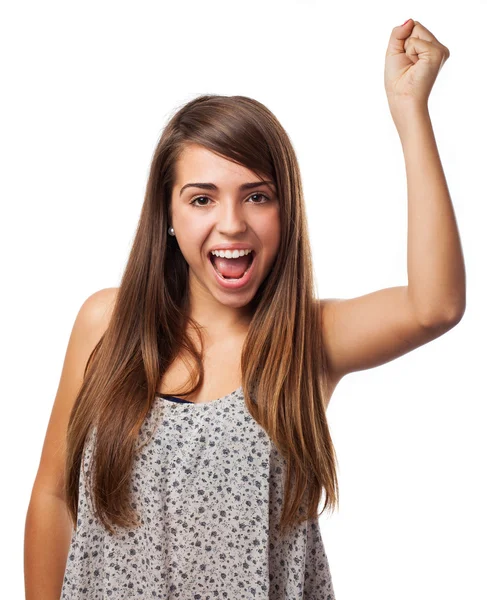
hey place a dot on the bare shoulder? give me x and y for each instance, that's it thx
(90, 324)
(97, 309)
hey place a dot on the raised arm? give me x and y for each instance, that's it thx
(364, 332)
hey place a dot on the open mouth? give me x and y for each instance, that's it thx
(249, 257)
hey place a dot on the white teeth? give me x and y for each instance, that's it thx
(230, 253)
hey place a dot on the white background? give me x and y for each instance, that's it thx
(88, 88)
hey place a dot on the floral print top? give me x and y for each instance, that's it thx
(209, 488)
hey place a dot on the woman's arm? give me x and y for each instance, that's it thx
(48, 530)
(435, 263)
(436, 269)
(48, 527)
(370, 330)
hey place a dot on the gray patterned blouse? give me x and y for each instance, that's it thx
(209, 489)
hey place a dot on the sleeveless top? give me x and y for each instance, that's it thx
(209, 489)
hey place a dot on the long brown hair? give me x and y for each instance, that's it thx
(283, 363)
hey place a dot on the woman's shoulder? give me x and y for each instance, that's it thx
(100, 304)
(91, 322)
(97, 309)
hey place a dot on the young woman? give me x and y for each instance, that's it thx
(191, 411)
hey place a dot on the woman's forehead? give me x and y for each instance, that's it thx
(198, 165)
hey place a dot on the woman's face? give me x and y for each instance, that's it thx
(206, 218)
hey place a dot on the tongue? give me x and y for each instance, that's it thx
(232, 268)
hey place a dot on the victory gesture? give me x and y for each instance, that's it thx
(414, 58)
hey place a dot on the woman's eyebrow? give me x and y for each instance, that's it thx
(213, 187)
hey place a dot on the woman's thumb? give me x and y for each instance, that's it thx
(398, 35)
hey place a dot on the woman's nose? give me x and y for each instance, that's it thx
(230, 220)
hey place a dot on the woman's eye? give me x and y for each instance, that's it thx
(197, 199)
(262, 196)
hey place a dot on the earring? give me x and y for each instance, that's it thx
(171, 231)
